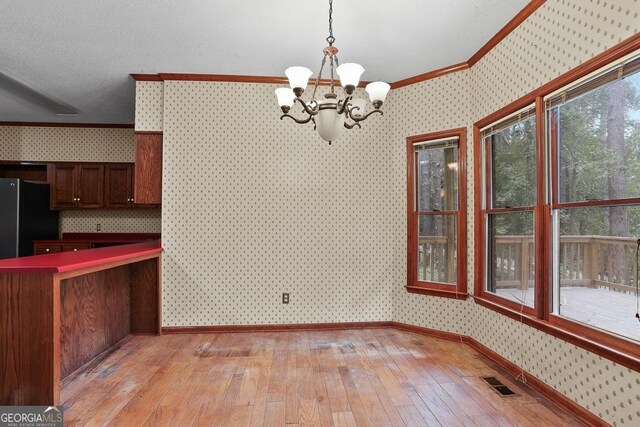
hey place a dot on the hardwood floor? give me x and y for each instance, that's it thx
(367, 377)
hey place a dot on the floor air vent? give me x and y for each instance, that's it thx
(495, 384)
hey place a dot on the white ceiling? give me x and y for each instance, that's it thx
(82, 51)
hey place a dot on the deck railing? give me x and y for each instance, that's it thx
(587, 261)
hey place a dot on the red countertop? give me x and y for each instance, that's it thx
(69, 261)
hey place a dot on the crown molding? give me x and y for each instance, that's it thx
(430, 75)
(139, 77)
(526, 12)
(227, 78)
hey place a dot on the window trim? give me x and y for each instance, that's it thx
(482, 207)
(613, 347)
(459, 291)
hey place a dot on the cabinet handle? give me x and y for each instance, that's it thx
(47, 250)
(75, 250)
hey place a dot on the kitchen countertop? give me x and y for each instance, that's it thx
(69, 261)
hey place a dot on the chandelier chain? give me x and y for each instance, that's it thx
(331, 39)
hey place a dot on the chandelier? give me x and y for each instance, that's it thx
(331, 115)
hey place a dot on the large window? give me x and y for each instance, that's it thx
(510, 162)
(436, 207)
(594, 135)
(557, 207)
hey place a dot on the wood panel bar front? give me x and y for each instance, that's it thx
(52, 323)
(29, 332)
(95, 315)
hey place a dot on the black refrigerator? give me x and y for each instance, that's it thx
(24, 217)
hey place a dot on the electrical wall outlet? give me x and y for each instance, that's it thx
(98, 227)
(285, 298)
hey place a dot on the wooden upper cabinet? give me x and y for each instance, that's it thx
(104, 185)
(90, 184)
(148, 168)
(62, 178)
(76, 185)
(118, 185)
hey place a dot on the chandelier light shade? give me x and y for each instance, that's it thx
(331, 115)
(349, 74)
(298, 77)
(286, 97)
(377, 92)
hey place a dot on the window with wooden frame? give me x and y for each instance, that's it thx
(436, 214)
(510, 209)
(594, 139)
(557, 221)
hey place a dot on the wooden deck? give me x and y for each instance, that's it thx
(320, 378)
(599, 307)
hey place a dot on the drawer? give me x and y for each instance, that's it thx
(43, 248)
(73, 247)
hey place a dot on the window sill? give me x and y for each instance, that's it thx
(443, 293)
(618, 350)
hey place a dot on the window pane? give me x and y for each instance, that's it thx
(513, 164)
(510, 255)
(437, 246)
(596, 267)
(599, 143)
(437, 178)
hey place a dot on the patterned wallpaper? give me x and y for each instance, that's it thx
(49, 144)
(149, 105)
(559, 36)
(120, 221)
(430, 106)
(66, 144)
(254, 207)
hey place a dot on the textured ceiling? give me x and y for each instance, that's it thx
(82, 51)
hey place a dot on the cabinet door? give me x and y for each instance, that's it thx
(148, 169)
(62, 179)
(118, 185)
(90, 185)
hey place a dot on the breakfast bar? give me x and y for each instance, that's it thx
(58, 312)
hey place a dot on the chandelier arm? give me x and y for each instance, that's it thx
(307, 120)
(343, 106)
(362, 119)
(352, 125)
(309, 111)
